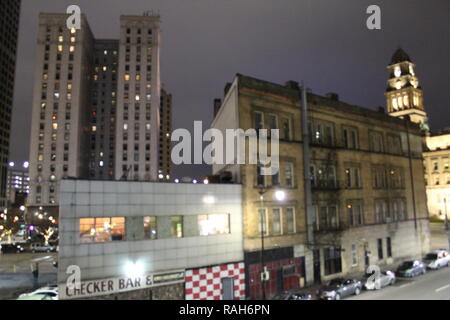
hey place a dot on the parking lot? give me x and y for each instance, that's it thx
(15, 272)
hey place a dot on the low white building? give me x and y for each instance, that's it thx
(148, 240)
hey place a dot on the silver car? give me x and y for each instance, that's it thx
(385, 278)
(437, 259)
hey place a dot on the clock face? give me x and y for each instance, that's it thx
(397, 72)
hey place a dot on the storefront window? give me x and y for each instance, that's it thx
(176, 226)
(102, 229)
(213, 224)
(333, 263)
(150, 228)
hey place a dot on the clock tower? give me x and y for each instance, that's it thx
(404, 95)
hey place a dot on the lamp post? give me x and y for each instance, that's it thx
(279, 196)
(262, 217)
(447, 230)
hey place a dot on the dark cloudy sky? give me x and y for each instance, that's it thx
(206, 42)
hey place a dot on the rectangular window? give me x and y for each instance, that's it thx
(102, 229)
(332, 259)
(276, 179)
(380, 249)
(355, 213)
(176, 226)
(276, 221)
(273, 121)
(389, 247)
(354, 255)
(150, 228)
(288, 174)
(260, 180)
(262, 221)
(290, 220)
(210, 224)
(350, 138)
(352, 177)
(258, 121)
(287, 129)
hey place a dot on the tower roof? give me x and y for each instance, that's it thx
(399, 56)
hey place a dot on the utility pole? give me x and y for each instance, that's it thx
(306, 168)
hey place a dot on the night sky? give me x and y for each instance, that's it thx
(206, 42)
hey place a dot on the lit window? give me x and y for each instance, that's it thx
(72, 39)
(150, 228)
(137, 97)
(102, 229)
(60, 48)
(73, 31)
(60, 38)
(94, 128)
(176, 226)
(213, 224)
(55, 126)
(72, 48)
(127, 77)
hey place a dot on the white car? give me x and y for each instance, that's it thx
(437, 259)
(50, 293)
(36, 247)
(386, 278)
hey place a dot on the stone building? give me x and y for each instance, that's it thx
(367, 186)
(436, 159)
(405, 98)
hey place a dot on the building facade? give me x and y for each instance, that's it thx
(138, 99)
(96, 106)
(367, 188)
(144, 240)
(437, 173)
(18, 181)
(165, 142)
(9, 24)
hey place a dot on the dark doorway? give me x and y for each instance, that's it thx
(280, 284)
(227, 287)
(316, 263)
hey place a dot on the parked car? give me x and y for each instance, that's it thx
(292, 295)
(411, 269)
(38, 297)
(40, 247)
(339, 288)
(437, 259)
(11, 248)
(47, 293)
(386, 278)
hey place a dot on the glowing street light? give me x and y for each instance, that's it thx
(280, 195)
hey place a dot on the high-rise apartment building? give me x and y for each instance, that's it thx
(61, 105)
(96, 106)
(138, 99)
(165, 112)
(103, 110)
(9, 26)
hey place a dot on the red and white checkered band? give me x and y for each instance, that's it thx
(206, 283)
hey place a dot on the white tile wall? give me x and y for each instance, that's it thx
(116, 198)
